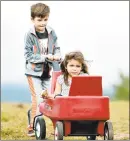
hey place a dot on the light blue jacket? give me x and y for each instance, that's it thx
(33, 58)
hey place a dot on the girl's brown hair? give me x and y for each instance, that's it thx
(39, 10)
(76, 55)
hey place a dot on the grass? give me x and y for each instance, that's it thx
(14, 122)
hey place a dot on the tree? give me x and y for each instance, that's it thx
(122, 89)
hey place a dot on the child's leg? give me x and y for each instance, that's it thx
(35, 89)
(29, 116)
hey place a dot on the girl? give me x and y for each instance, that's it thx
(73, 65)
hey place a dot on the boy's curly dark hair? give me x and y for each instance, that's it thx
(39, 10)
(76, 55)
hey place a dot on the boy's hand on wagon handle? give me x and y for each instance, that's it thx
(56, 58)
(50, 57)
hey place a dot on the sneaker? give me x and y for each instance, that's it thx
(30, 132)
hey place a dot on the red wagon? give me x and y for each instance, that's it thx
(85, 112)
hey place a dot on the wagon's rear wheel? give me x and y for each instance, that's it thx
(92, 137)
(59, 131)
(108, 131)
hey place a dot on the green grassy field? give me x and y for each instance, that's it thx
(14, 122)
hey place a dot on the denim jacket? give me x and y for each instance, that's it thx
(34, 59)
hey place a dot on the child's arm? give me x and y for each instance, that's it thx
(57, 52)
(56, 92)
(57, 89)
(30, 50)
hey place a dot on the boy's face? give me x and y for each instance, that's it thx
(40, 23)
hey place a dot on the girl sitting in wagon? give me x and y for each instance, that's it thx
(73, 65)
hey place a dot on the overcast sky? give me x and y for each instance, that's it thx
(100, 29)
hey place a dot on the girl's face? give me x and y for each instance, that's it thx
(74, 67)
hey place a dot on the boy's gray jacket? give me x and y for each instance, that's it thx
(32, 53)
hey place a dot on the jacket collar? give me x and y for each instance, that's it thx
(33, 31)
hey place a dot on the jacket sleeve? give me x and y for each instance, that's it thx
(29, 53)
(57, 51)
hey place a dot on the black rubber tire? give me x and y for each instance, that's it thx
(60, 129)
(108, 130)
(92, 137)
(40, 135)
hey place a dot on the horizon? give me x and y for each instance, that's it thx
(21, 93)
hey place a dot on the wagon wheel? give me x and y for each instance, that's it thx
(59, 131)
(92, 137)
(108, 131)
(40, 128)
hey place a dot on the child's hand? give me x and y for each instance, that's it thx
(50, 96)
(50, 57)
(56, 58)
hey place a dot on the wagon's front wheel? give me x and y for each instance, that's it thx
(108, 131)
(59, 131)
(40, 128)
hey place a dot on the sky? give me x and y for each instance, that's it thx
(100, 29)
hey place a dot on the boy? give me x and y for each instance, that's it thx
(40, 43)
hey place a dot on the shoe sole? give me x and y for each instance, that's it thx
(31, 135)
